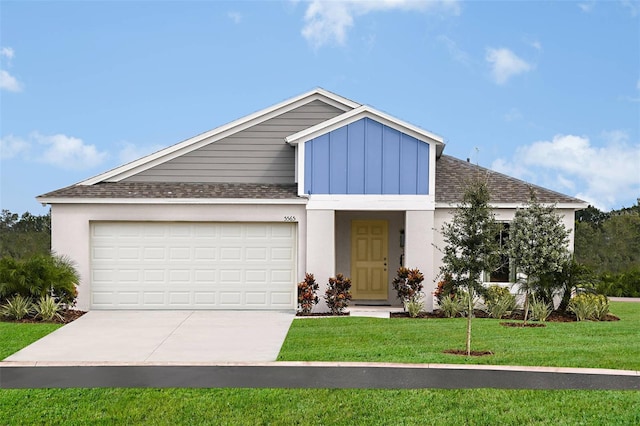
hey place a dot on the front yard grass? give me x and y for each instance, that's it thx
(577, 344)
(15, 336)
(318, 406)
(356, 406)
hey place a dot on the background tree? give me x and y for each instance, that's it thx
(24, 236)
(471, 247)
(537, 244)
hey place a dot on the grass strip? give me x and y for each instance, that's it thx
(318, 406)
(577, 344)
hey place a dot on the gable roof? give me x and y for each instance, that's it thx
(147, 192)
(452, 176)
(365, 111)
(191, 144)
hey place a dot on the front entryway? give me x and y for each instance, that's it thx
(369, 259)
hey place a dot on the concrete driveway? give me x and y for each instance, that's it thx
(163, 336)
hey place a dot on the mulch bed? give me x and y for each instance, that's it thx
(68, 316)
(522, 324)
(464, 352)
(323, 314)
(515, 315)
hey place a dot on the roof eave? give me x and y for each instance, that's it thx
(165, 201)
(518, 205)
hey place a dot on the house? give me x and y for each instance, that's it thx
(234, 217)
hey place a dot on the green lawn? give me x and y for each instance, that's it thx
(578, 344)
(318, 406)
(359, 407)
(14, 337)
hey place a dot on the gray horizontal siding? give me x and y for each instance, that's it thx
(255, 155)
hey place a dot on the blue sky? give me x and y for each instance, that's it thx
(548, 92)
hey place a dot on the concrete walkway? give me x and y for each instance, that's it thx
(163, 336)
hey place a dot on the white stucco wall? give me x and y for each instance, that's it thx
(71, 227)
(321, 250)
(419, 250)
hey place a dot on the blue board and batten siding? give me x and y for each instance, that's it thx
(366, 157)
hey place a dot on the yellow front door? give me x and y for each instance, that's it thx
(369, 253)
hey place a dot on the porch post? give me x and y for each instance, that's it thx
(321, 250)
(419, 250)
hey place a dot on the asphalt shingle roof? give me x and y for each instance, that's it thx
(453, 174)
(176, 190)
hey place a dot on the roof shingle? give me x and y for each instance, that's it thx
(452, 176)
(176, 190)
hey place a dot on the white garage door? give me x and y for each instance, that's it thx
(157, 265)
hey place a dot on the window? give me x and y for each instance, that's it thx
(505, 273)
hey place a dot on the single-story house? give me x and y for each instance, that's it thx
(234, 217)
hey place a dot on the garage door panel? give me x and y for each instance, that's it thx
(193, 265)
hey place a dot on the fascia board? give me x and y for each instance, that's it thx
(558, 206)
(218, 133)
(364, 111)
(155, 201)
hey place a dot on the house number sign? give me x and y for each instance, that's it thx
(289, 218)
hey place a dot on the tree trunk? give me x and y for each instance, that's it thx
(566, 297)
(526, 307)
(469, 315)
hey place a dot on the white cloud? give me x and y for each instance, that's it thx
(632, 5)
(68, 152)
(7, 52)
(505, 64)
(536, 45)
(236, 17)
(329, 21)
(455, 51)
(513, 114)
(9, 82)
(12, 146)
(605, 176)
(587, 7)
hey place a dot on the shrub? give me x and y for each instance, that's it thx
(307, 296)
(38, 276)
(446, 288)
(415, 305)
(407, 283)
(499, 301)
(600, 307)
(624, 284)
(17, 307)
(338, 294)
(540, 309)
(452, 306)
(583, 305)
(47, 308)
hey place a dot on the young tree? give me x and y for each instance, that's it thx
(471, 247)
(537, 244)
